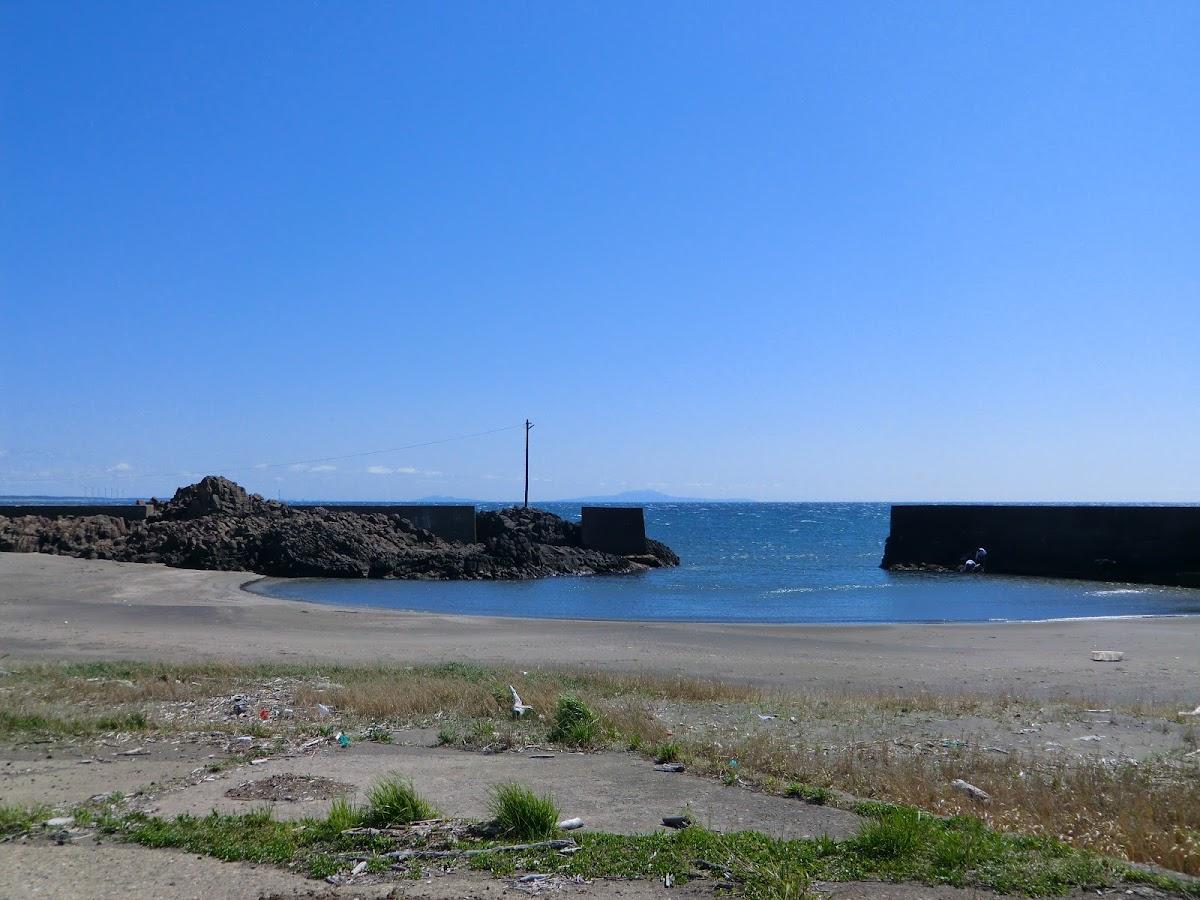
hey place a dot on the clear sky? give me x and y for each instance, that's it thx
(785, 250)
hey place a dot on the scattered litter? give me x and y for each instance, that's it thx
(290, 789)
(343, 739)
(136, 751)
(669, 767)
(668, 880)
(1194, 712)
(1095, 738)
(1107, 656)
(324, 711)
(767, 717)
(264, 714)
(359, 869)
(570, 824)
(542, 756)
(1099, 710)
(60, 822)
(677, 821)
(406, 854)
(261, 760)
(996, 750)
(526, 879)
(567, 851)
(970, 790)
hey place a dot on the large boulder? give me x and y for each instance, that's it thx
(211, 495)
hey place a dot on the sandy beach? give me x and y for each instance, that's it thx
(59, 608)
(975, 701)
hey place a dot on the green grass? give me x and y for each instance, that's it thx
(575, 723)
(379, 734)
(252, 837)
(14, 723)
(667, 752)
(520, 814)
(818, 796)
(15, 818)
(896, 844)
(928, 850)
(343, 814)
(394, 801)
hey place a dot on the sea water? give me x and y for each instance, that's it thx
(760, 562)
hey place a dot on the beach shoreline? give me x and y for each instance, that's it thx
(65, 609)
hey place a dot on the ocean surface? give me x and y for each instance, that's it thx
(760, 562)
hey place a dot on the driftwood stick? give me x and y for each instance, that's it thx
(559, 844)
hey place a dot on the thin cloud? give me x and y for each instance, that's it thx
(305, 467)
(400, 470)
(121, 467)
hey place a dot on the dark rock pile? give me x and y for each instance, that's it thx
(216, 524)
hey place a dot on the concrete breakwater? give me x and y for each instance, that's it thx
(1142, 544)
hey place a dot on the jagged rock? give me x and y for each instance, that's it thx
(211, 495)
(216, 524)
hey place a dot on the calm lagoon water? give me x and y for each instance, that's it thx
(760, 562)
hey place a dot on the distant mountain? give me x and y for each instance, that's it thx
(649, 496)
(419, 501)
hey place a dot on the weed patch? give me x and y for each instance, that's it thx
(520, 814)
(575, 724)
(394, 801)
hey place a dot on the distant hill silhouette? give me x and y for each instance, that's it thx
(650, 496)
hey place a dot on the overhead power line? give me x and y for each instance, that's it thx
(298, 462)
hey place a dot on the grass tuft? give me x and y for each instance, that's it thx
(667, 752)
(15, 819)
(343, 814)
(818, 796)
(394, 801)
(520, 814)
(575, 723)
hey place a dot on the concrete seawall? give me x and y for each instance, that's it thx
(451, 522)
(1145, 544)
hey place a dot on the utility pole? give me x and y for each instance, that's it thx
(528, 426)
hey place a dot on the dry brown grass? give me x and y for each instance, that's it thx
(1143, 813)
(1147, 813)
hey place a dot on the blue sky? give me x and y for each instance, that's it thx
(783, 251)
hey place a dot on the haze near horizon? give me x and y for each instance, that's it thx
(793, 251)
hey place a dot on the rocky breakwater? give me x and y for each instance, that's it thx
(216, 524)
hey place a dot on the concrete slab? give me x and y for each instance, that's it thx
(616, 792)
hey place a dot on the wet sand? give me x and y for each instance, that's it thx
(58, 608)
